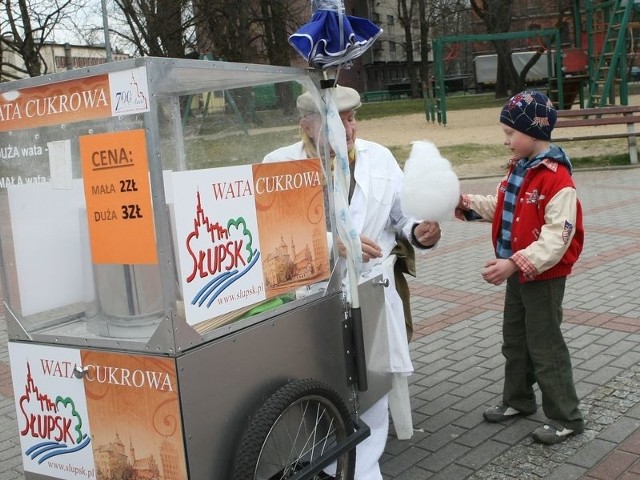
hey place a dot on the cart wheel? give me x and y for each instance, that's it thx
(292, 429)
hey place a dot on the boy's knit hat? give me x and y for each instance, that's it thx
(531, 113)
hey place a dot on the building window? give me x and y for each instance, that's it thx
(78, 62)
(376, 17)
(377, 50)
(392, 47)
(389, 19)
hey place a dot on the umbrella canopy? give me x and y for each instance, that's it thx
(332, 38)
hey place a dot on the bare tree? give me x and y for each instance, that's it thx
(424, 47)
(26, 27)
(434, 16)
(437, 18)
(279, 19)
(158, 28)
(496, 15)
(564, 13)
(406, 15)
(274, 19)
(226, 29)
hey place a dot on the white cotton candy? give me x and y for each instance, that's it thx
(430, 189)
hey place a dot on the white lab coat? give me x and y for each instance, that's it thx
(377, 214)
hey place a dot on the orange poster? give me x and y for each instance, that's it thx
(118, 196)
(134, 412)
(100, 96)
(56, 103)
(292, 224)
(248, 233)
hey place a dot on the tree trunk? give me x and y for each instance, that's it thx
(496, 15)
(25, 46)
(522, 78)
(506, 75)
(170, 31)
(405, 15)
(274, 17)
(424, 49)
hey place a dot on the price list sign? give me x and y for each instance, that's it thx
(118, 196)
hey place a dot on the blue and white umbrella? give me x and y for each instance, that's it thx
(332, 38)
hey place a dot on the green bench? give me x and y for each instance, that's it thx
(375, 96)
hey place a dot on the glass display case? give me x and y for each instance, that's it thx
(99, 241)
(160, 282)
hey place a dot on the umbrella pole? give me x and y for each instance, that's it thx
(352, 272)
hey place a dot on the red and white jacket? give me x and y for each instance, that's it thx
(547, 233)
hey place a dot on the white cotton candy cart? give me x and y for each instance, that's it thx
(173, 306)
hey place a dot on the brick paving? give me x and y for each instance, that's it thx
(456, 353)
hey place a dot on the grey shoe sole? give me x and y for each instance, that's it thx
(549, 437)
(496, 417)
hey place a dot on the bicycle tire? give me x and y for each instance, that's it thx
(293, 428)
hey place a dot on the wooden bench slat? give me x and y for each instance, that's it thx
(604, 136)
(611, 110)
(599, 116)
(588, 122)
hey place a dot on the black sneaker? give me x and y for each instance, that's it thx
(502, 413)
(552, 432)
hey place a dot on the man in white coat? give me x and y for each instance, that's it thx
(377, 215)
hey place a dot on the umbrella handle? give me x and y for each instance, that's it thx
(327, 83)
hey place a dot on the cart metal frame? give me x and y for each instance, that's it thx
(136, 312)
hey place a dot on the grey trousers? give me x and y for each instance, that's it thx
(535, 351)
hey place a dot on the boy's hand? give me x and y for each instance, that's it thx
(498, 270)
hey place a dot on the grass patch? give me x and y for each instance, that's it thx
(480, 100)
(456, 154)
(235, 148)
(469, 153)
(221, 140)
(410, 106)
(582, 154)
(601, 161)
(390, 108)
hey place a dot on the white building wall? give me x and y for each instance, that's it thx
(60, 58)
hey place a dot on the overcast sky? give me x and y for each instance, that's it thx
(85, 25)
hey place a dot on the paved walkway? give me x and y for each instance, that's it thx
(458, 363)
(459, 367)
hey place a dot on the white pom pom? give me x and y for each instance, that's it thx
(430, 189)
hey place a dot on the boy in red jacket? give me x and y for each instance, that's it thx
(537, 235)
